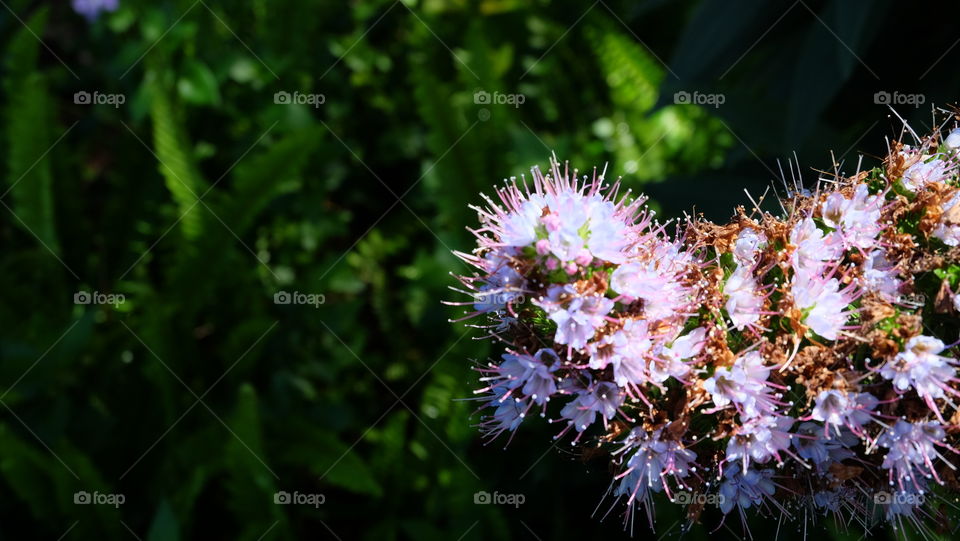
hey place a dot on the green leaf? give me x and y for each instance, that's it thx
(330, 459)
(165, 526)
(198, 85)
(172, 149)
(250, 483)
(261, 178)
(28, 131)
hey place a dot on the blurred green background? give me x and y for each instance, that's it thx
(148, 246)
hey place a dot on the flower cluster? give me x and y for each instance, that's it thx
(780, 361)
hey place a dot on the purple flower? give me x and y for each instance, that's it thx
(502, 286)
(842, 410)
(813, 250)
(656, 283)
(571, 222)
(744, 301)
(91, 9)
(628, 350)
(603, 398)
(670, 361)
(948, 229)
(822, 452)
(744, 385)
(507, 416)
(653, 461)
(759, 439)
(514, 386)
(577, 316)
(921, 367)
(912, 450)
(827, 307)
(748, 243)
(922, 173)
(744, 488)
(856, 220)
(881, 276)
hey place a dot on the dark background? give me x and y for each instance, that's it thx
(199, 199)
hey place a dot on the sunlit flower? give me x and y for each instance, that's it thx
(653, 282)
(921, 367)
(826, 306)
(922, 173)
(948, 228)
(814, 250)
(746, 246)
(759, 439)
(652, 462)
(744, 385)
(912, 451)
(839, 410)
(881, 276)
(577, 316)
(744, 301)
(856, 220)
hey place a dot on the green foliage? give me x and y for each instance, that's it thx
(173, 153)
(29, 135)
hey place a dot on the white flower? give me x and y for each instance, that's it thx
(953, 140)
(744, 384)
(840, 409)
(746, 246)
(948, 229)
(743, 300)
(825, 304)
(879, 275)
(919, 366)
(922, 173)
(813, 249)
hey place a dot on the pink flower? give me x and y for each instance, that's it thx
(856, 220)
(748, 243)
(577, 316)
(921, 367)
(881, 276)
(744, 385)
(759, 439)
(912, 450)
(813, 250)
(947, 229)
(744, 301)
(827, 307)
(922, 173)
(653, 282)
(653, 461)
(844, 410)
